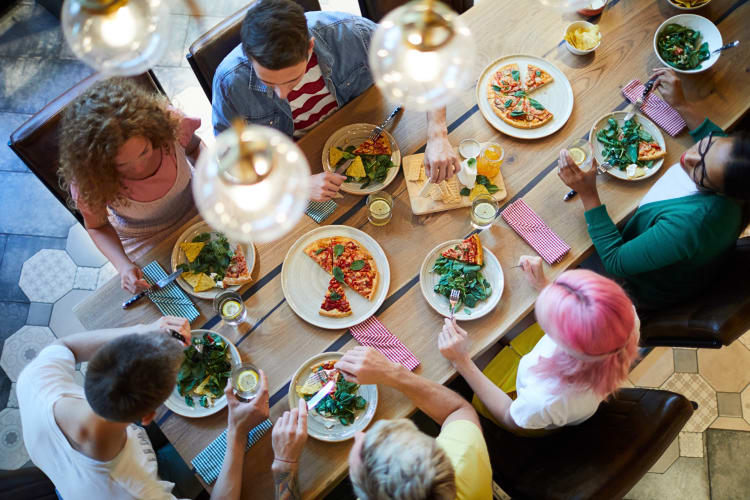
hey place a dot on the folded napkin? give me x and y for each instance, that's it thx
(655, 108)
(373, 333)
(208, 462)
(320, 210)
(534, 231)
(170, 300)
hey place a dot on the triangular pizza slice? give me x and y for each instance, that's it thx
(335, 303)
(536, 77)
(469, 251)
(380, 146)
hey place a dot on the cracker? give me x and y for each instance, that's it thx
(413, 170)
(192, 249)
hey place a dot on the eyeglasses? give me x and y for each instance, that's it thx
(701, 165)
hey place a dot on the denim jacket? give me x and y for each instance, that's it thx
(341, 44)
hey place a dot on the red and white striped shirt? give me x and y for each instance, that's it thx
(310, 99)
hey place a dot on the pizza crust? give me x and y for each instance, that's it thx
(335, 313)
(243, 278)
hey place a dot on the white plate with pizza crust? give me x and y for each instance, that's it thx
(619, 117)
(354, 135)
(329, 428)
(178, 257)
(304, 282)
(557, 96)
(492, 272)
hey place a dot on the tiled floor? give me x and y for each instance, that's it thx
(39, 237)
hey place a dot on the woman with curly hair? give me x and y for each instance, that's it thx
(558, 370)
(124, 157)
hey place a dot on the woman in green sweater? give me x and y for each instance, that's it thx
(672, 247)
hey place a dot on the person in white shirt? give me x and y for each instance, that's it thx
(577, 355)
(84, 439)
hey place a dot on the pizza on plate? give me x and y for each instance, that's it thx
(509, 98)
(335, 303)
(469, 251)
(380, 146)
(237, 272)
(536, 77)
(650, 151)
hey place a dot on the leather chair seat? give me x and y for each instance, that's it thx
(27, 483)
(602, 458)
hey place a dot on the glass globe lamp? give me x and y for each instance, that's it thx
(422, 55)
(117, 37)
(567, 5)
(253, 184)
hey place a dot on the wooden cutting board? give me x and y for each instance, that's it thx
(421, 205)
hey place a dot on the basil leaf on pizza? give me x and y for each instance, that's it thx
(319, 250)
(516, 75)
(357, 265)
(334, 296)
(338, 274)
(536, 104)
(517, 112)
(508, 103)
(520, 93)
(338, 250)
(496, 88)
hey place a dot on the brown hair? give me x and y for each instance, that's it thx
(131, 376)
(275, 34)
(96, 125)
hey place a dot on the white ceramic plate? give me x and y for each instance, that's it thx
(677, 6)
(354, 135)
(305, 283)
(647, 125)
(492, 272)
(178, 257)
(177, 404)
(330, 429)
(557, 96)
(709, 33)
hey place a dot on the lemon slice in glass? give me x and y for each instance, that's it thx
(578, 155)
(247, 381)
(231, 309)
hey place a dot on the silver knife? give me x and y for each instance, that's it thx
(340, 170)
(322, 393)
(156, 286)
(637, 104)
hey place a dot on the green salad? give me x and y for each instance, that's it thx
(680, 47)
(466, 278)
(342, 404)
(214, 257)
(620, 145)
(204, 374)
(376, 167)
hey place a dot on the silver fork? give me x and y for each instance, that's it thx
(454, 300)
(379, 129)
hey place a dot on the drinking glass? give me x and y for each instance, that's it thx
(489, 161)
(379, 208)
(582, 153)
(245, 381)
(230, 307)
(483, 211)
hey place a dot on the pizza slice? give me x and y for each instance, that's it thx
(536, 113)
(335, 303)
(505, 81)
(237, 272)
(469, 251)
(536, 77)
(354, 266)
(321, 252)
(502, 105)
(650, 151)
(380, 146)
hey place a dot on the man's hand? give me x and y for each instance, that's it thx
(244, 416)
(167, 323)
(325, 185)
(532, 267)
(290, 434)
(453, 342)
(440, 160)
(365, 365)
(670, 88)
(131, 279)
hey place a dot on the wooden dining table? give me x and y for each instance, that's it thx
(278, 341)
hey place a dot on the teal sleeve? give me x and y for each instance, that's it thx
(706, 128)
(662, 244)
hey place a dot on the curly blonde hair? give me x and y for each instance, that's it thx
(94, 128)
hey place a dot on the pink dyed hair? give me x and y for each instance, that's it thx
(589, 314)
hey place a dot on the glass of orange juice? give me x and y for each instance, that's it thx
(489, 161)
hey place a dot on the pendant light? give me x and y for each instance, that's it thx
(422, 55)
(252, 184)
(567, 5)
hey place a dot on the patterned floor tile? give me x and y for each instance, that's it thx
(47, 276)
(745, 399)
(39, 314)
(22, 347)
(175, 80)
(728, 465)
(9, 122)
(730, 404)
(196, 27)
(13, 316)
(654, 369)
(29, 30)
(86, 278)
(106, 273)
(730, 424)
(695, 389)
(6, 387)
(18, 250)
(685, 360)
(13, 398)
(173, 55)
(745, 339)
(691, 444)
(726, 369)
(82, 249)
(13, 453)
(63, 322)
(686, 479)
(668, 458)
(30, 208)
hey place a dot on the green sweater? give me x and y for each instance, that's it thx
(669, 250)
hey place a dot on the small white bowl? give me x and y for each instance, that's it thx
(676, 6)
(573, 27)
(709, 33)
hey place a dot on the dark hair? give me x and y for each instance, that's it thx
(274, 34)
(737, 172)
(131, 376)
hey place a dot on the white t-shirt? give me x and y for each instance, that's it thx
(541, 403)
(675, 183)
(132, 474)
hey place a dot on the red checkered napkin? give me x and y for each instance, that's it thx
(535, 232)
(655, 108)
(373, 333)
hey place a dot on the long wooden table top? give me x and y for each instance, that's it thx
(276, 340)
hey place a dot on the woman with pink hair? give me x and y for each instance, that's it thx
(558, 370)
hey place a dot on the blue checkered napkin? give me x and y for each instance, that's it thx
(320, 210)
(170, 300)
(208, 462)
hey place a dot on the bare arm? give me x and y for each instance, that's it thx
(494, 399)
(440, 158)
(289, 437)
(108, 242)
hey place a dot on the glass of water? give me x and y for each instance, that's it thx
(582, 153)
(245, 381)
(379, 208)
(483, 211)
(230, 307)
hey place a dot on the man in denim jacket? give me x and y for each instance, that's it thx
(293, 69)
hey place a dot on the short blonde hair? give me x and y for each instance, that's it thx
(399, 462)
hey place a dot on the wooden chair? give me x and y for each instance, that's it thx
(375, 10)
(604, 457)
(714, 319)
(207, 52)
(36, 142)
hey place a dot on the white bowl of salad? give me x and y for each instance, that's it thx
(684, 43)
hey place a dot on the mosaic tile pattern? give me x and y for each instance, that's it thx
(726, 368)
(745, 399)
(86, 278)
(22, 347)
(695, 389)
(47, 276)
(106, 273)
(691, 444)
(13, 453)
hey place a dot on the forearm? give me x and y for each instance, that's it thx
(690, 114)
(285, 480)
(108, 242)
(494, 399)
(436, 124)
(83, 345)
(229, 484)
(590, 200)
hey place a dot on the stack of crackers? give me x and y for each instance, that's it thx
(446, 191)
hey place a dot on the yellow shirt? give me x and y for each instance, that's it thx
(464, 444)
